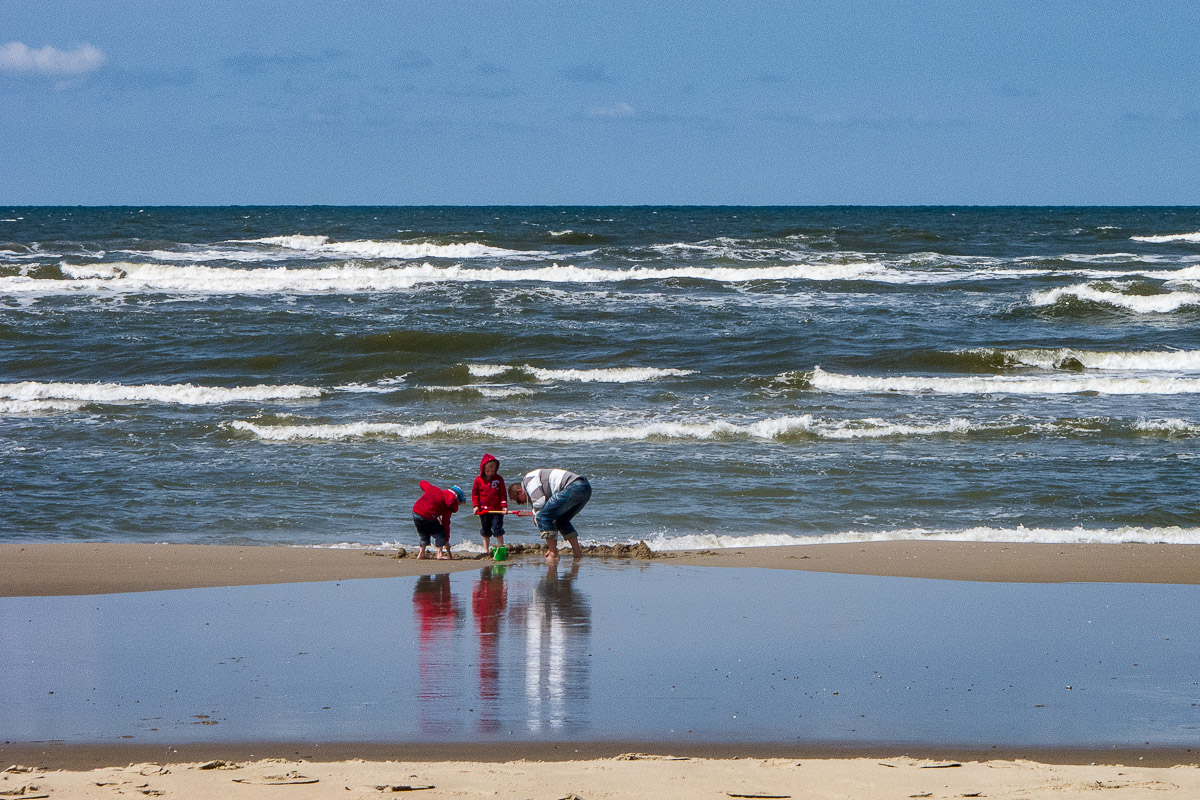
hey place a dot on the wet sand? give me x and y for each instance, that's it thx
(536, 770)
(41, 569)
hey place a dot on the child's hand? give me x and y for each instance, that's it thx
(476, 510)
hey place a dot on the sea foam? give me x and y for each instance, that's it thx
(1168, 237)
(1019, 534)
(1162, 360)
(397, 250)
(614, 375)
(1141, 304)
(180, 394)
(821, 380)
(779, 428)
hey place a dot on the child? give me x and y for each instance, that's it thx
(488, 497)
(431, 515)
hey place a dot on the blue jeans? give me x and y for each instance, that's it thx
(555, 516)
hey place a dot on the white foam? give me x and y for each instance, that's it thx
(615, 375)
(351, 278)
(398, 250)
(25, 408)
(181, 394)
(1162, 360)
(1019, 534)
(1168, 237)
(1168, 426)
(1141, 304)
(666, 430)
(999, 384)
(381, 386)
(484, 390)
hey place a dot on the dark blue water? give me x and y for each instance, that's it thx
(610, 654)
(722, 375)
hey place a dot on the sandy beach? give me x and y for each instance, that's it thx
(41, 569)
(629, 775)
(584, 770)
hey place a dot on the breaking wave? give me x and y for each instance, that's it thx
(1019, 534)
(1060, 358)
(27, 408)
(397, 250)
(1168, 237)
(178, 394)
(780, 428)
(821, 380)
(1137, 303)
(617, 375)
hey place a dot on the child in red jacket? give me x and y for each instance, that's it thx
(431, 515)
(490, 501)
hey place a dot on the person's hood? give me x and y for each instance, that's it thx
(486, 458)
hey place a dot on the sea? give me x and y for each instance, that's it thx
(724, 376)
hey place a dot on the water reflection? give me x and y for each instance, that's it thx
(557, 628)
(437, 614)
(489, 601)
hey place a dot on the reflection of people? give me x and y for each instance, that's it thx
(431, 515)
(557, 496)
(487, 496)
(557, 625)
(436, 613)
(488, 601)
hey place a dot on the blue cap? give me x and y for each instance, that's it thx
(462, 497)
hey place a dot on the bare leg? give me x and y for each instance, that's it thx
(576, 550)
(421, 552)
(487, 544)
(552, 548)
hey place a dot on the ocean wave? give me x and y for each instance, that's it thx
(1168, 237)
(381, 386)
(494, 392)
(1019, 534)
(781, 428)
(27, 408)
(821, 380)
(1060, 358)
(615, 375)
(399, 250)
(178, 394)
(663, 542)
(352, 278)
(129, 277)
(1138, 303)
(1167, 426)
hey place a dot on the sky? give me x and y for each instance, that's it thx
(405, 102)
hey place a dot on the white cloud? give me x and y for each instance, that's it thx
(21, 59)
(613, 111)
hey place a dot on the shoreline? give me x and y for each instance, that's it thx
(74, 568)
(82, 756)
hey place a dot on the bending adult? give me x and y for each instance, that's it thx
(556, 496)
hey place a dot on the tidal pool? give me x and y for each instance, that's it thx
(610, 651)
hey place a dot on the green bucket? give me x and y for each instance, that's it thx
(500, 553)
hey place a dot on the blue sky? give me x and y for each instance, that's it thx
(490, 102)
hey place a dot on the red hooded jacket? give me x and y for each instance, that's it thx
(489, 495)
(436, 504)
